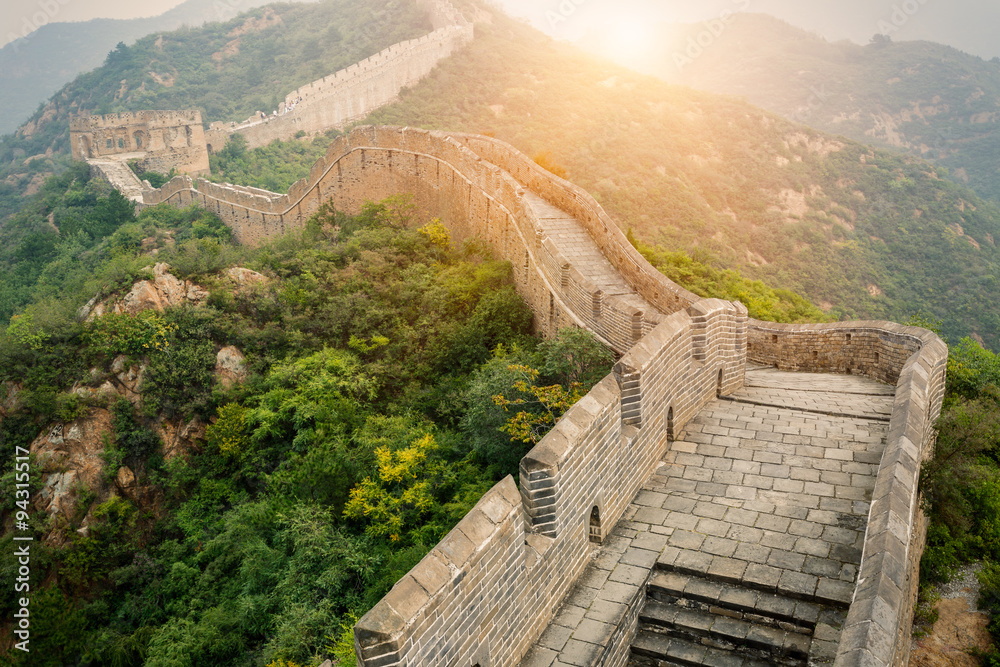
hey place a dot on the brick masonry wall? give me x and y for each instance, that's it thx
(508, 570)
(877, 631)
(590, 459)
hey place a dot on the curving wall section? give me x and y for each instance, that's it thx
(476, 198)
(486, 592)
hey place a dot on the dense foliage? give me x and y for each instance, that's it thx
(366, 428)
(960, 485)
(274, 167)
(58, 246)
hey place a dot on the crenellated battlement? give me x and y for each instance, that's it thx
(352, 93)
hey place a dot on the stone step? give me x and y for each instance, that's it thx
(723, 632)
(652, 649)
(734, 601)
(789, 583)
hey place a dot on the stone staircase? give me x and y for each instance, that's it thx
(116, 171)
(691, 619)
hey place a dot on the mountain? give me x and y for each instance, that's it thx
(227, 70)
(865, 233)
(34, 67)
(923, 98)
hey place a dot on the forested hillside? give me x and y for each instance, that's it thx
(927, 99)
(34, 67)
(258, 454)
(227, 70)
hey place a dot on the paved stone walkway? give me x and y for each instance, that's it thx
(120, 175)
(577, 246)
(766, 490)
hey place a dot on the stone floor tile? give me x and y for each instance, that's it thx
(761, 496)
(683, 539)
(713, 527)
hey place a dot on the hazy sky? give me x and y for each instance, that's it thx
(969, 25)
(20, 17)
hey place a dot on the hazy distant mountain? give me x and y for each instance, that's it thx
(969, 25)
(927, 99)
(33, 68)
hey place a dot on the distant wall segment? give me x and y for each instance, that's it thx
(160, 140)
(354, 92)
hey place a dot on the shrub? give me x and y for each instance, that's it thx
(132, 335)
(135, 440)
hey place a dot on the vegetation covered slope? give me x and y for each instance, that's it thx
(32, 68)
(363, 427)
(927, 99)
(865, 233)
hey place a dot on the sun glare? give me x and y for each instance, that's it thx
(629, 38)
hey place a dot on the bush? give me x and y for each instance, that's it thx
(136, 441)
(135, 336)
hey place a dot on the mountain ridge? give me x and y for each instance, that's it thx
(928, 99)
(34, 67)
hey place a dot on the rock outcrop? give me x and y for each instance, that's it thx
(164, 291)
(69, 456)
(230, 366)
(245, 278)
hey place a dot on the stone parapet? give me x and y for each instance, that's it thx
(509, 577)
(877, 631)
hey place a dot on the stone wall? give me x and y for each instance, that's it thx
(486, 592)
(353, 93)
(877, 631)
(475, 199)
(160, 140)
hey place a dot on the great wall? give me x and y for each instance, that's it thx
(735, 492)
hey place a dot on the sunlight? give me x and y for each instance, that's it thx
(628, 38)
